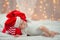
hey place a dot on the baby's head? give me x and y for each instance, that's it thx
(20, 23)
(18, 19)
(23, 25)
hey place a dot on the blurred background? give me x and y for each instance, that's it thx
(35, 9)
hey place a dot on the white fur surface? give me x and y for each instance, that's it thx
(2, 20)
(18, 22)
(9, 37)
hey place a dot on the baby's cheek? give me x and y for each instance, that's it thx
(22, 26)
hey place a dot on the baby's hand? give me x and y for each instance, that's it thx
(52, 34)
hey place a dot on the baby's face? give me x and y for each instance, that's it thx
(23, 25)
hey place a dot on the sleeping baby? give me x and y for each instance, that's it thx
(16, 24)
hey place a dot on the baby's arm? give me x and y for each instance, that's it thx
(47, 32)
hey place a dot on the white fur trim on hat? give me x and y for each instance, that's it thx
(18, 22)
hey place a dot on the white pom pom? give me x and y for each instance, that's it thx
(18, 22)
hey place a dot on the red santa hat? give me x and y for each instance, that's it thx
(13, 21)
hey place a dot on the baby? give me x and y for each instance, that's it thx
(16, 22)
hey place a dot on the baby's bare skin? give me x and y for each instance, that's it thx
(23, 25)
(47, 32)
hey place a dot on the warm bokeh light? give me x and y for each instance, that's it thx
(58, 19)
(17, 6)
(4, 5)
(29, 9)
(54, 1)
(9, 10)
(44, 11)
(41, 1)
(40, 6)
(52, 17)
(46, 4)
(37, 8)
(44, 8)
(3, 10)
(32, 11)
(45, 16)
(7, 3)
(35, 15)
(40, 10)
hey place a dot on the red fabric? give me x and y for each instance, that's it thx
(14, 31)
(11, 21)
(16, 13)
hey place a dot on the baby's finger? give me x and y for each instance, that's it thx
(46, 35)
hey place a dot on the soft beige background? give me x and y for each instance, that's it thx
(37, 9)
